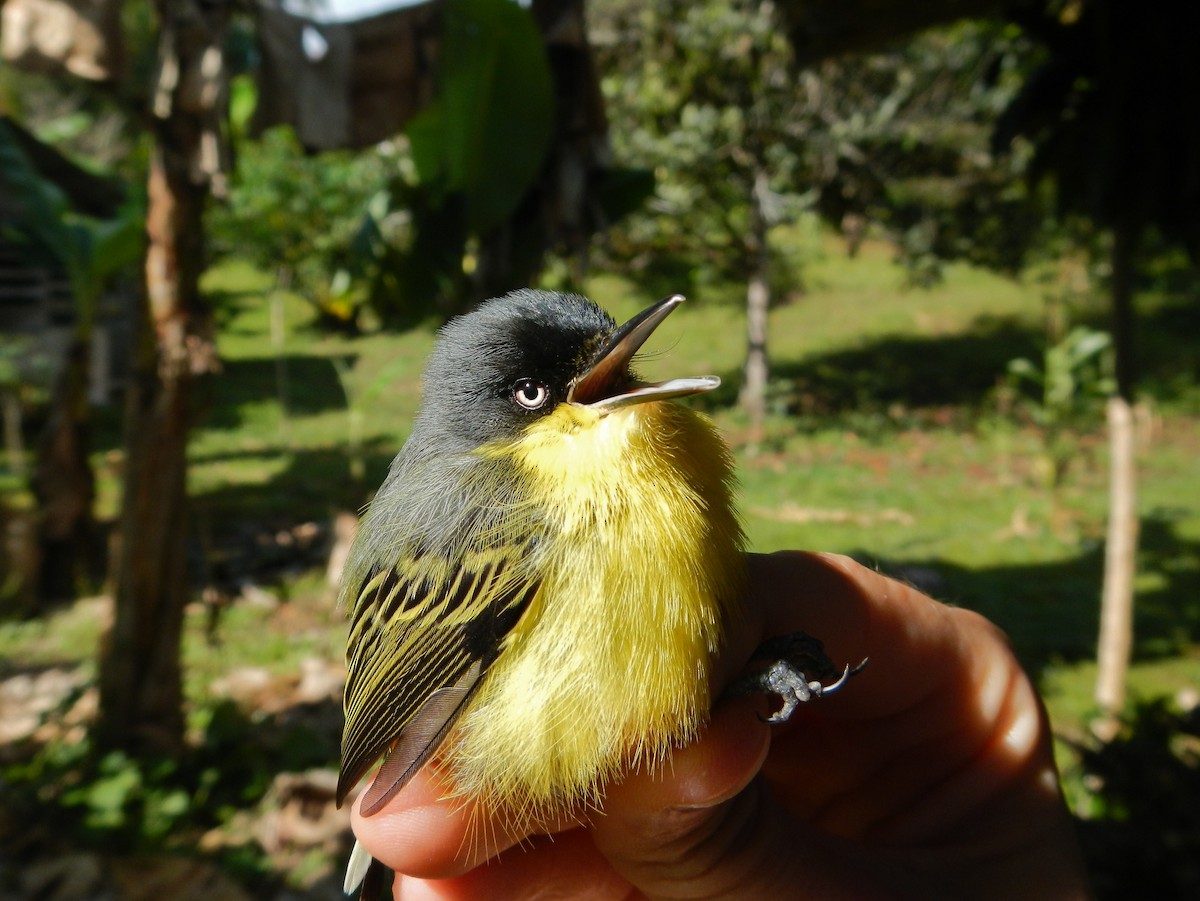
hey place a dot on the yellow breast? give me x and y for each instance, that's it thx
(610, 664)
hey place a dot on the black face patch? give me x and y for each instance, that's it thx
(484, 373)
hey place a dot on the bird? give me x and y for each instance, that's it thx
(539, 588)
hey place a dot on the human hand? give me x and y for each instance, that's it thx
(930, 775)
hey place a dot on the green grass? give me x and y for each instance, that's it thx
(67, 636)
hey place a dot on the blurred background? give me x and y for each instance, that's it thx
(941, 252)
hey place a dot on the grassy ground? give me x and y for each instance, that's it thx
(892, 439)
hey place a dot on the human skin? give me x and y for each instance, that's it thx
(929, 775)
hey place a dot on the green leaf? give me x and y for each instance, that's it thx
(43, 204)
(1083, 343)
(427, 140)
(487, 133)
(1023, 368)
(89, 249)
(164, 809)
(243, 97)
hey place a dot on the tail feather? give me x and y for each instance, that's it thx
(363, 870)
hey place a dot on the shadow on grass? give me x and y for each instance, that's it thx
(309, 385)
(954, 375)
(315, 482)
(270, 533)
(914, 372)
(1051, 611)
(895, 373)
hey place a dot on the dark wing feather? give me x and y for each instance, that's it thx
(422, 635)
(420, 738)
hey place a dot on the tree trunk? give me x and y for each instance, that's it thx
(755, 373)
(64, 484)
(141, 694)
(14, 446)
(1120, 553)
(141, 691)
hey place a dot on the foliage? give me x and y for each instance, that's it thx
(90, 250)
(391, 227)
(476, 149)
(702, 95)
(1068, 386)
(1141, 828)
(308, 235)
(121, 802)
(1070, 379)
(484, 136)
(124, 804)
(899, 138)
(914, 123)
(94, 126)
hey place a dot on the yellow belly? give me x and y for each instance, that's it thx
(610, 664)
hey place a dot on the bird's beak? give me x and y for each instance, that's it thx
(605, 385)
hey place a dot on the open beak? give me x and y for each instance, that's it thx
(605, 384)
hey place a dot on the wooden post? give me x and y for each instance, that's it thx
(1120, 552)
(756, 371)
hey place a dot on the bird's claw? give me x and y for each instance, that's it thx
(791, 657)
(792, 688)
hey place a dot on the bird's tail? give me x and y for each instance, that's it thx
(364, 870)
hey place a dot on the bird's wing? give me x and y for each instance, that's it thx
(422, 634)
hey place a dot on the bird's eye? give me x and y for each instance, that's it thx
(530, 394)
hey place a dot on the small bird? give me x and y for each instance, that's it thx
(540, 585)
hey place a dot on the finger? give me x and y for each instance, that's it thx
(942, 723)
(418, 831)
(428, 832)
(919, 650)
(704, 827)
(716, 766)
(443, 844)
(940, 747)
(544, 867)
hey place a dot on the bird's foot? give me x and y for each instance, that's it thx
(797, 670)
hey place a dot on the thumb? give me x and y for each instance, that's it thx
(706, 826)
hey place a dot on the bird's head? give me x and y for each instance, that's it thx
(518, 358)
